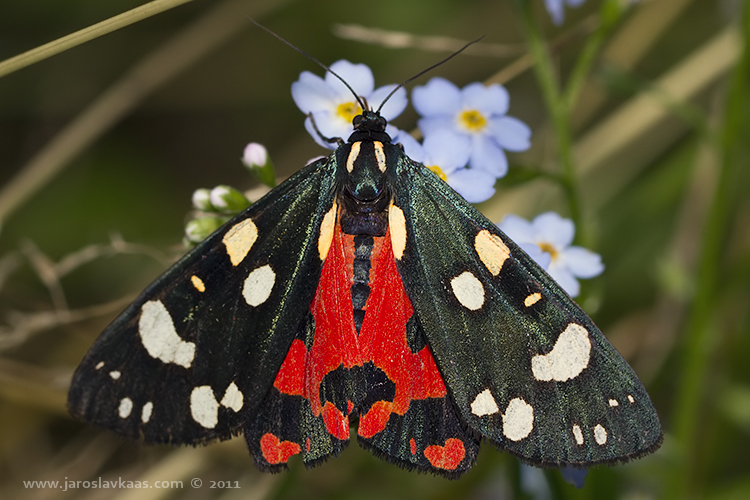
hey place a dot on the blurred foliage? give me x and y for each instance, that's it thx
(653, 134)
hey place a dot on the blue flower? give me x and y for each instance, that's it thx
(553, 235)
(556, 9)
(447, 154)
(477, 112)
(333, 106)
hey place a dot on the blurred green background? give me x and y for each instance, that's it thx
(102, 146)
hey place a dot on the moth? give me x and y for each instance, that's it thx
(364, 291)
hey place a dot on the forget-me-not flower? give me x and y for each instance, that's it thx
(554, 235)
(447, 154)
(333, 106)
(556, 9)
(478, 112)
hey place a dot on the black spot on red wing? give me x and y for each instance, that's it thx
(341, 386)
(306, 331)
(428, 423)
(379, 387)
(290, 420)
(415, 334)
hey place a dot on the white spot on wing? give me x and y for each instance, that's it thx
(99, 365)
(613, 402)
(353, 154)
(600, 434)
(159, 337)
(198, 283)
(567, 359)
(115, 374)
(468, 290)
(126, 406)
(240, 239)
(146, 412)
(379, 155)
(484, 404)
(532, 299)
(491, 251)
(326, 232)
(397, 226)
(577, 434)
(518, 420)
(258, 285)
(203, 406)
(630, 398)
(232, 398)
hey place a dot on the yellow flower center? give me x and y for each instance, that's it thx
(472, 120)
(348, 111)
(549, 248)
(439, 172)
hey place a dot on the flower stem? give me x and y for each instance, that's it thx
(558, 109)
(82, 36)
(701, 328)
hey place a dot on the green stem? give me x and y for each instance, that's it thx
(79, 37)
(701, 329)
(558, 109)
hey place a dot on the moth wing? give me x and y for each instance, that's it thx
(192, 358)
(525, 366)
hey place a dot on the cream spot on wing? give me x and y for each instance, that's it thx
(126, 406)
(232, 398)
(379, 155)
(353, 154)
(115, 374)
(630, 398)
(159, 337)
(146, 412)
(491, 251)
(518, 420)
(532, 299)
(258, 285)
(203, 406)
(397, 227)
(326, 232)
(484, 404)
(567, 359)
(468, 290)
(240, 239)
(577, 434)
(600, 434)
(613, 402)
(99, 365)
(198, 283)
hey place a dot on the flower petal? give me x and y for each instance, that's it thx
(412, 148)
(556, 10)
(487, 156)
(564, 278)
(447, 150)
(510, 133)
(490, 100)
(311, 93)
(553, 229)
(432, 124)
(438, 98)
(396, 103)
(475, 186)
(518, 229)
(358, 76)
(583, 263)
(537, 254)
(316, 136)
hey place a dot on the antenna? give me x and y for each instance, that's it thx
(409, 80)
(361, 103)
